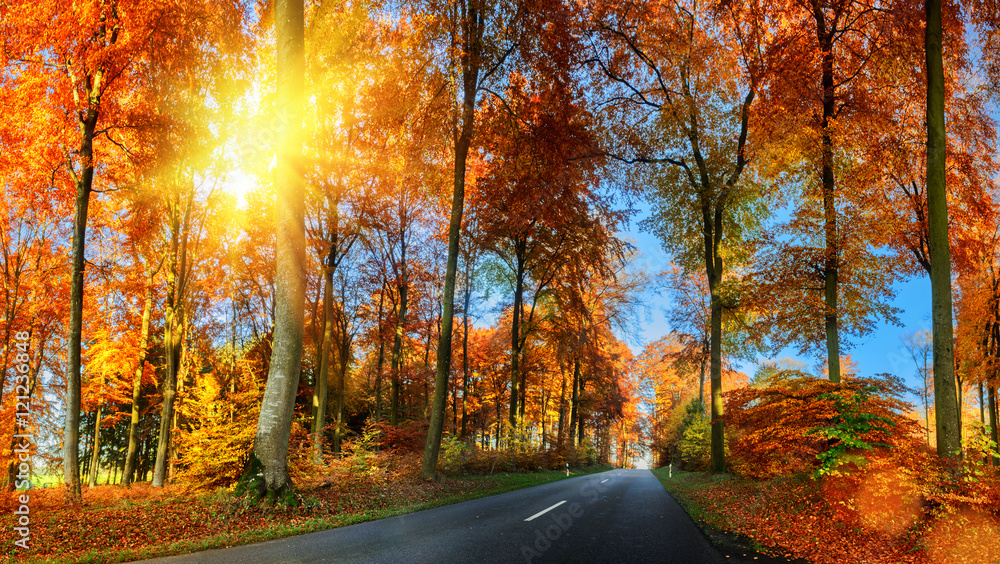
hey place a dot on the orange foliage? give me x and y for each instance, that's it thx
(771, 427)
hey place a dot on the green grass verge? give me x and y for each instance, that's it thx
(507, 483)
(682, 483)
(717, 527)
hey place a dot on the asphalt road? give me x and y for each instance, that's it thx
(619, 516)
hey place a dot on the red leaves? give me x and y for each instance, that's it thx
(770, 426)
(902, 504)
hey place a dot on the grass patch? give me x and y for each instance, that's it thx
(683, 485)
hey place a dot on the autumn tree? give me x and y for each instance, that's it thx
(266, 473)
(682, 71)
(87, 80)
(948, 418)
(478, 41)
(85, 71)
(534, 139)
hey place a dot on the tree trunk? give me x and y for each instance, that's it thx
(523, 388)
(580, 436)
(71, 429)
(945, 397)
(831, 260)
(345, 358)
(95, 451)
(133, 428)
(266, 474)
(561, 432)
(515, 338)
(381, 358)
(545, 407)
(88, 441)
(172, 344)
(397, 344)
(427, 365)
(465, 354)
(574, 403)
(718, 432)
(991, 392)
(320, 387)
(705, 351)
(470, 81)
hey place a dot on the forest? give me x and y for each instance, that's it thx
(267, 248)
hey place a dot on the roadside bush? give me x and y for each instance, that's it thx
(477, 461)
(695, 448)
(454, 454)
(811, 425)
(408, 436)
(214, 447)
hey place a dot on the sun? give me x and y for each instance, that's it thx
(240, 185)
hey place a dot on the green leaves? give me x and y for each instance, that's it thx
(846, 430)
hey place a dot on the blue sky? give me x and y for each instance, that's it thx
(879, 351)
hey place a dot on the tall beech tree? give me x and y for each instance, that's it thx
(479, 39)
(690, 76)
(828, 98)
(948, 418)
(133, 430)
(82, 65)
(266, 473)
(535, 139)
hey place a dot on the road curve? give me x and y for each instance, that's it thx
(620, 516)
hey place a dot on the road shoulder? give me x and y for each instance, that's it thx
(735, 547)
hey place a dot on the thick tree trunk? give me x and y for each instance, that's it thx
(133, 427)
(831, 264)
(948, 424)
(266, 474)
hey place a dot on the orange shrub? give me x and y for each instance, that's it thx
(786, 428)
